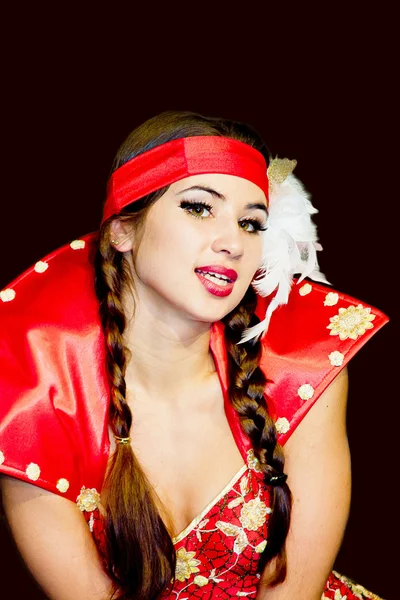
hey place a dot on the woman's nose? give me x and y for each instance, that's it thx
(228, 238)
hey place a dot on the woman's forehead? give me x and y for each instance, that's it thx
(224, 186)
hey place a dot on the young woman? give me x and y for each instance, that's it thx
(156, 435)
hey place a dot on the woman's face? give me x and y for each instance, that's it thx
(199, 247)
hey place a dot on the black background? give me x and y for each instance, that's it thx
(317, 83)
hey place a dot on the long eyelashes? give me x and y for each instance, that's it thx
(198, 209)
(256, 225)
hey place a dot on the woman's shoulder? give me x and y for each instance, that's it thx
(308, 342)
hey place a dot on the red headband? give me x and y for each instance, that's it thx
(182, 158)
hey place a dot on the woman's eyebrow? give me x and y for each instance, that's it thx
(256, 206)
(215, 194)
(203, 188)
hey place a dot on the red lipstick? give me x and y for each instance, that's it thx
(217, 280)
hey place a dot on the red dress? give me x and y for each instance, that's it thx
(55, 396)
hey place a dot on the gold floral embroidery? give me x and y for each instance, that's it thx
(235, 502)
(241, 538)
(240, 543)
(33, 471)
(62, 485)
(186, 564)
(7, 295)
(305, 391)
(331, 299)
(336, 358)
(261, 547)
(228, 528)
(88, 500)
(41, 266)
(252, 461)
(351, 322)
(253, 514)
(358, 590)
(305, 289)
(282, 425)
(244, 485)
(200, 580)
(77, 244)
(231, 530)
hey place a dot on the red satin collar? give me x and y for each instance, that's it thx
(218, 350)
(53, 379)
(182, 158)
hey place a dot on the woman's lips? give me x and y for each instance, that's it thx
(217, 280)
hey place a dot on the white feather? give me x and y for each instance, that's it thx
(290, 246)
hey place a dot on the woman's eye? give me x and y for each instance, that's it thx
(247, 225)
(197, 209)
(252, 226)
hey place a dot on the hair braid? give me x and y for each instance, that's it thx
(140, 552)
(143, 556)
(246, 391)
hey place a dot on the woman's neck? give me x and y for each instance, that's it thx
(168, 359)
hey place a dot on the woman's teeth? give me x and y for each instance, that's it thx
(220, 279)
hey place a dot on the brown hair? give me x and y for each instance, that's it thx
(141, 555)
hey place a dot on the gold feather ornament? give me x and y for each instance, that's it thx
(279, 169)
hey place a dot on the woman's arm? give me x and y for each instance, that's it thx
(318, 468)
(55, 542)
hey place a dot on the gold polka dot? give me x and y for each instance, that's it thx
(331, 299)
(77, 244)
(305, 391)
(41, 266)
(88, 499)
(62, 485)
(282, 425)
(336, 358)
(33, 471)
(1, 457)
(305, 289)
(7, 295)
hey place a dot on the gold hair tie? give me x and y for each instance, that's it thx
(121, 440)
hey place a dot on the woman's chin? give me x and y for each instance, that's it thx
(213, 314)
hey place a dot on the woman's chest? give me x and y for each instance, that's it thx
(188, 458)
(218, 554)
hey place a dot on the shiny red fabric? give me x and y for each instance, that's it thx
(55, 397)
(181, 158)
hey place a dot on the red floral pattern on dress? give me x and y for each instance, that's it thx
(225, 543)
(218, 554)
(339, 587)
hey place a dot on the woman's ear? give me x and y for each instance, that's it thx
(121, 236)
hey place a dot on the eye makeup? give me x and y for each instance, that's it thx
(197, 209)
